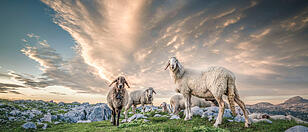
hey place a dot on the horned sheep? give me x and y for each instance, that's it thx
(117, 98)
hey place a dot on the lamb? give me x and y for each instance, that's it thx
(177, 103)
(139, 97)
(117, 98)
(213, 82)
(165, 107)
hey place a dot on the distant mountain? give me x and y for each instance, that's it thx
(296, 106)
(296, 100)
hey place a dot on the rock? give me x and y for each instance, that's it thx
(61, 103)
(239, 118)
(11, 118)
(145, 120)
(174, 117)
(84, 121)
(227, 113)
(157, 115)
(47, 117)
(130, 112)
(15, 112)
(136, 117)
(297, 128)
(29, 125)
(197, 111)
(99, 113)
(45, 126)
(230, 120)
(56, 122)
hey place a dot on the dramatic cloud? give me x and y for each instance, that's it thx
(6, 87)
(138, 40)
(262, 42)
(72, 73)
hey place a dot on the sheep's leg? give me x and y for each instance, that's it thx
(112, 115)
(126, 110)
(152, 107)
(134, 109)
(187, 107)
(221, 104)
(118, 116)
(242, 105)
(143, 109)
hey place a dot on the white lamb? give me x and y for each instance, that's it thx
(211, 82)
(137, 97)
(177, 103)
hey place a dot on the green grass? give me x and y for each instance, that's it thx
(162, 124)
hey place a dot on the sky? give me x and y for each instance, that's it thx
(70, 50)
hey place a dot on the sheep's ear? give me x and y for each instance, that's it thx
(167, 65)
(154, 91)
(127, 84)
(113, 82)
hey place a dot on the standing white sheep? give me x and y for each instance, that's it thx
(117, 98)
(211, 82)
(177, 103)
(139, 97)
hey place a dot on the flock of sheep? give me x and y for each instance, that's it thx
(211, 84)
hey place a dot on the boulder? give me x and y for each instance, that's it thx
(136, 117)
(157, 115)
(29, 125)
(15, 112)
(297, 128)
(98, 113)
(174, 117)
(197, 111)
(84, 121)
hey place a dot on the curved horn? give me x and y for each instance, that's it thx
(154, 91)
(113, 82)
(167, 65)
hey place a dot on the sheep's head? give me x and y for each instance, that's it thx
(149, 93)
(173, 64)
(120, 82)
(163, 104)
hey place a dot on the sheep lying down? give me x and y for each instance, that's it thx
(177, 103)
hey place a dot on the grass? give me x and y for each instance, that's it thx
(162, 124)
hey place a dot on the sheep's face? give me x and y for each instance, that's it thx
(164, 104)
(172, 64)
(149, 93)
(120, 82)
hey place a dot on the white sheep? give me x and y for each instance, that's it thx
(213, 82)
(117, 98)
(137, 97)
(165, 107)
(177, 103)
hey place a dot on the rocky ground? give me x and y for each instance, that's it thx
(20, 115)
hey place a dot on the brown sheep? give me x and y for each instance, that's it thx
(117, 98)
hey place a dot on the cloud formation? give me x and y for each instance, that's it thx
(136, 38)
(262, 42)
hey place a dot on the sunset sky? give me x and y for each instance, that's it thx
(70, 50)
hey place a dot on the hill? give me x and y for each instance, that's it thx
(296, 106)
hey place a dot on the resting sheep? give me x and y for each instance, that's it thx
(213, 82)
(165, 107)
(117, 98)
(139, 97)
(177, 103)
